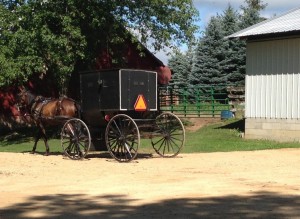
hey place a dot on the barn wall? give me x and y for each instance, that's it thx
(273, 89)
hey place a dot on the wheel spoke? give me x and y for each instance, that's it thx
(127, 150)
(76, 134)
(172, 135)
(122, 138)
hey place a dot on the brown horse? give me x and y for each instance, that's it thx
(46, 112)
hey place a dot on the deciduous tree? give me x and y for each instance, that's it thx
(52, 36)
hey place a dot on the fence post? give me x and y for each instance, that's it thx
(198, 101)
(171, 99)
(212, 100)
(185, 101)
(227, 103)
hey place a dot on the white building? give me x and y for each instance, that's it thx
(273, 78)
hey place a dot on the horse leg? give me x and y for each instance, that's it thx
(37, 138)
(43, 132)
(47, 146)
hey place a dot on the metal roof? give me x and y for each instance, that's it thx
(287, 22)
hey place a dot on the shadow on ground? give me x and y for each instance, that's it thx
(93, 155)
(239, 125)
(22, 135)
(258, 205)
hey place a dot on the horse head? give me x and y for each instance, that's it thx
(24, 99)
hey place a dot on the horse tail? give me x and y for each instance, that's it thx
(78, 109)
(68, 107)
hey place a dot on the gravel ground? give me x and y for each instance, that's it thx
(257, 184)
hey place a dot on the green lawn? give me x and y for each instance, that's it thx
(22, 140)
(222, 136)
(226, 136)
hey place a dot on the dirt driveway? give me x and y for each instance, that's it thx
(260, 184)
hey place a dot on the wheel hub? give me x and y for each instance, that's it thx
(167, 135)
(122, 139)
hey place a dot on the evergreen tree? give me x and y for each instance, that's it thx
(208, 55)
(181, 65)
(251, 13)
(217, 59)
(233, 66)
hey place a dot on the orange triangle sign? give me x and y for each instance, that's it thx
(140, 103)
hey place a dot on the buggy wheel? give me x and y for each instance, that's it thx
(169, 135)
(75, 139)
(122, 138)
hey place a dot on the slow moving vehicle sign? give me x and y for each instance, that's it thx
(140, 104)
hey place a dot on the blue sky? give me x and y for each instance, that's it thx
(209, 8)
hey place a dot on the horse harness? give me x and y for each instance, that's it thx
(38, 104)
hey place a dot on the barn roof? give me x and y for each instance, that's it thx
(288, 22)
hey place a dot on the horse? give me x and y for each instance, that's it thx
(46, 112)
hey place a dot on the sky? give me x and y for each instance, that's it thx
(209, 8)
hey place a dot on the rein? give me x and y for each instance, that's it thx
(29, 104)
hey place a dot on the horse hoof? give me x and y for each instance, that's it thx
(32, 152)
(46, 154)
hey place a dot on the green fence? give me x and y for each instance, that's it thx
(197, 101)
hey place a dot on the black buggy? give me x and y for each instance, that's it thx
(124, 103)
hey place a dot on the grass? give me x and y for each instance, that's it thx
(223, 136)
(22, 140)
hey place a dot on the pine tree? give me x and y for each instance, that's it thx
(218, 60)
(233, 66)
(251, 13)
(181, 65)
(208, 55)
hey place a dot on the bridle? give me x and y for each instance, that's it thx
(25, 101)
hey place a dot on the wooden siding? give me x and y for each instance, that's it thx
(273, 79)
